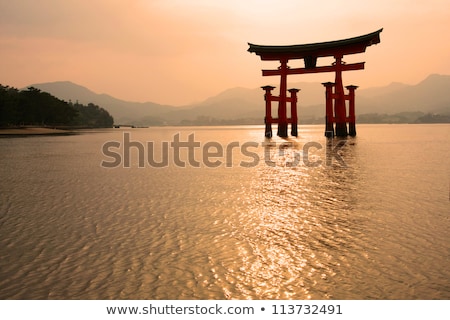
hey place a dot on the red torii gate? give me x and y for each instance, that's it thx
(309, 53)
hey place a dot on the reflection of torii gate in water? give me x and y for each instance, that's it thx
(309, 53)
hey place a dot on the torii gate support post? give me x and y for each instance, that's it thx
(351, 110)
(294, 118)
(329, 119)
(268, 118)
(339, 101)
(282, 117)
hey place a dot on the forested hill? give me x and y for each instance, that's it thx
(35, 107)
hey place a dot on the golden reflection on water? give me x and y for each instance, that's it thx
(290, 232)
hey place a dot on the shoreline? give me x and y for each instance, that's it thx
(33, 131)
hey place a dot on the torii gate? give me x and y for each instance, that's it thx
(309, 53)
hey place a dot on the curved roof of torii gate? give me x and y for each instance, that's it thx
(319, 49)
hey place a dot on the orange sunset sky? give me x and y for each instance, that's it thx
(182, 51)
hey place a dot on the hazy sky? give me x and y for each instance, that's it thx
(182, 51)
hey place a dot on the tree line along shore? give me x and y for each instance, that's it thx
(33, 110)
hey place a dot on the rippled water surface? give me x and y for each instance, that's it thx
(372, 223)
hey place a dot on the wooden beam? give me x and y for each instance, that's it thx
(344, 67)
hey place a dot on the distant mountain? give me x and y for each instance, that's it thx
(432, 95)
(233, 103)
(124, 112)
(377, 91)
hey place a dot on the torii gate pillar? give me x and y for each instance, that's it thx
(351, 110)
(339, 101)
(294, 118)
(282, 119)
(329, 118)
(268, 118)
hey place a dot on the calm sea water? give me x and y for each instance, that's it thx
(376, 228)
